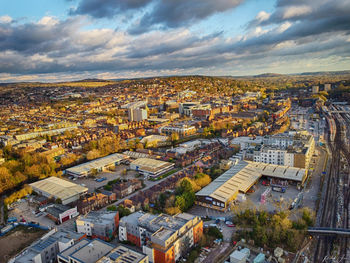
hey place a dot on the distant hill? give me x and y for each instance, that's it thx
(344, 72)
(268, 75)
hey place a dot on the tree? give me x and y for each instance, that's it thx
(93, 154)
(180, 202)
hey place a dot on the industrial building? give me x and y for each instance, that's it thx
(97, 165)
(87, 251)
(162, 237)
(150, 167)
(98, 224)
(45, 250)
(57, 188)
(240, 178)
(61, 213)
(123, 254)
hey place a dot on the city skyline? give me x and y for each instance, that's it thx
(75, 39)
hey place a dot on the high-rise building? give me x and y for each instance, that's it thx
(137, 111)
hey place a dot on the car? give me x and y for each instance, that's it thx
(83, 185)
(229, 224)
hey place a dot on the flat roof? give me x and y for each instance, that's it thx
(97, 163)
(122, 254)
(151, 165)
(88, 251)
(58, 188)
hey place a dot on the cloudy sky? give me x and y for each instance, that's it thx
(55, 40)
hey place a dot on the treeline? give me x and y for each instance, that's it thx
(183, 197)
(271, 230)
(108, 145)
(21, 167)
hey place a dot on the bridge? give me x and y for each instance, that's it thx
(339, 111)
(329, 231)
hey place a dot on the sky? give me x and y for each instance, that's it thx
(59, 40)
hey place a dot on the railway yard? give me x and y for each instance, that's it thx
(334, 208)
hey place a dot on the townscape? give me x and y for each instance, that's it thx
(153, 170)
(174, 131)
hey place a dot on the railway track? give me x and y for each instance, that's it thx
(335, 209)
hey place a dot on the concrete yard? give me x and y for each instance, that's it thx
(92, 185)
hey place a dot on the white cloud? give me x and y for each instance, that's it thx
(295, 11)
(48, 21)
(262, 16)
(5, 19)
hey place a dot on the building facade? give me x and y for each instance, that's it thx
(98, 224)
(162, 237)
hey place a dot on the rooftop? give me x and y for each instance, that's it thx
(122, 254)
(88, 251)
(97, 163)
(59, 188)
(240, 177)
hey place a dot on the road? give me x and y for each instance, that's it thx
(149, 185)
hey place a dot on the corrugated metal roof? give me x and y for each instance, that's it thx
(243, 175)
(59, 188)
(98, 163)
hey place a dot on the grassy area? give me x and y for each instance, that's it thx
(165, 175)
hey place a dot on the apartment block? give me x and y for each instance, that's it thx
(163, 238)
(45, 250)
(123, 254)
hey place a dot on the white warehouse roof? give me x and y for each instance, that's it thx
(99, 163)
(58, 188)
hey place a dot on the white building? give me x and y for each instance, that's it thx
(186, 107)
(315, 89)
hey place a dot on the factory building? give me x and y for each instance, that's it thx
(57, 188)
(150, 167)
(240, 178)
(98, 165)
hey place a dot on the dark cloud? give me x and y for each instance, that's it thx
(305, 35)
(107, 8)
(161, 14)
(176, 13)
(305, 11)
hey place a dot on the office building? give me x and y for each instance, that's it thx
(45, 250)
(123, 254)
(85, 251)
(98, 224)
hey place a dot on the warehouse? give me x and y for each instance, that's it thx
(150, 167)
(240, 178)
(97, 165)
(57, 188)
(224, 189)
